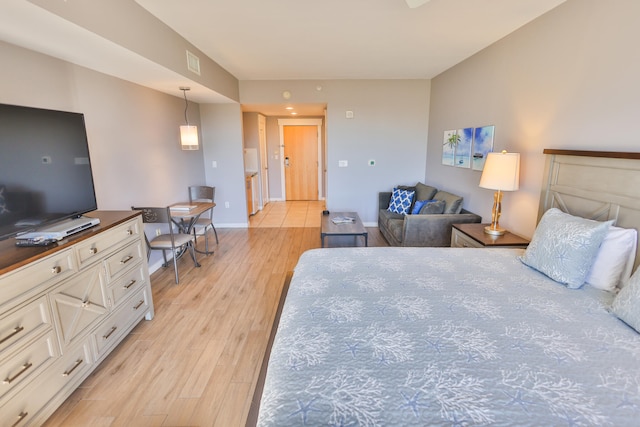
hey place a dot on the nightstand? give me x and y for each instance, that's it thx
(473, 236)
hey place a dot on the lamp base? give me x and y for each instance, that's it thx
(494, 231)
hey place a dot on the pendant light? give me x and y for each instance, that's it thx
(188, 133)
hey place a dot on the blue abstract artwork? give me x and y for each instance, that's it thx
(482, 145)
(463, 148)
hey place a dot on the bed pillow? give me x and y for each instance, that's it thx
(401, 201)
(626, 304)
(434, 207)
(614, 262)
(564, 246)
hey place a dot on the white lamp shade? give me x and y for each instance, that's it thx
(501, 172)
(189, 137)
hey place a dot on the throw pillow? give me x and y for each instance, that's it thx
(425, 192)
(433, 207)
(626, 305)
(564, 246)
(401, 201)
(453, 203)
(418, 205)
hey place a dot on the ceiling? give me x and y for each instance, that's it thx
(290, 39)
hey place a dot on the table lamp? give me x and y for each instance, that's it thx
(501, 173)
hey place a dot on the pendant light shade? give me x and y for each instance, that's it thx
(188, 133)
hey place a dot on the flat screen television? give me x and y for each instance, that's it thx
(45, 170)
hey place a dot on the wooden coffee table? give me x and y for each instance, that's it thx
(355, 228)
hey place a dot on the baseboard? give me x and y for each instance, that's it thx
(370, 224)
(231, 225)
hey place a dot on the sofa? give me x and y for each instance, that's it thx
(426, 226)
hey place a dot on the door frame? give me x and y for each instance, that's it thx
(301, 122)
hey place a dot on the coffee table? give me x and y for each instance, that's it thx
(354, 228)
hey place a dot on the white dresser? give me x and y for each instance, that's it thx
(63, 309)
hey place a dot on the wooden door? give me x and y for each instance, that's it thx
(301, 162)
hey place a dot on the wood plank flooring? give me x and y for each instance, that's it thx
(197, 362)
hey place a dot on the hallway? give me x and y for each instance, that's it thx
(288, 214)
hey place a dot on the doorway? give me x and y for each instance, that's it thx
(301, 158)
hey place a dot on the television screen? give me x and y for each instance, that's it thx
(45, 170)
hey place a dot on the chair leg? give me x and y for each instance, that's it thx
(192, 249)
(175, 266)
(164, 256)
(215, 232)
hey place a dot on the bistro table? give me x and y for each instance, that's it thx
(186, 214)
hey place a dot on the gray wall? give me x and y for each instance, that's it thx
(567, 80)
(389, 126)
(133, 131)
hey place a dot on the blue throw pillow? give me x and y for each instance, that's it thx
(401, 201)
(418, 205)
(564, 246)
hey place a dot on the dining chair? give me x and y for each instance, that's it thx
(172, 240)
(203, 193)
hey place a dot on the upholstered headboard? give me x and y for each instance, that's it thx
(593, 184)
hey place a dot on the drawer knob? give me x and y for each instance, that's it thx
(130, 284)
(93, 251)
(126, 259)
(9, 380)
(56, 270)
(86, 304)
(129, 232)
(139, 304)
(16, 330)
(73, 368)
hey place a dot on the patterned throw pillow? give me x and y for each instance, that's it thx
(626, 305)
(401, 201)
(564, 246)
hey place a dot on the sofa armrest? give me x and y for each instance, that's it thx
(433, 230)
(384, 198)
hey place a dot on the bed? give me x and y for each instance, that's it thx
(461, 337)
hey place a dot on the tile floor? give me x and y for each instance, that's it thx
(289, 214)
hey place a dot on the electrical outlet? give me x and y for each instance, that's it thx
(226, 205)
(158, 232)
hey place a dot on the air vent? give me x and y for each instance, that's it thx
(193, 63)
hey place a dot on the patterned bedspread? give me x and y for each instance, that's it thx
(451, 337)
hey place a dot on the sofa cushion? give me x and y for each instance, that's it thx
(433, 207)
(401, 201)
(453, 203)
(425, 192)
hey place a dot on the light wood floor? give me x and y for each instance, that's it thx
(197, 362)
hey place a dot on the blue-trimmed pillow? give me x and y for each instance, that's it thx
(626, 305)
(564, 247)
(401, 201)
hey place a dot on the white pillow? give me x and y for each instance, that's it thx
(614, 262)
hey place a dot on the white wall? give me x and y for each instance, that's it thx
(567, 80)
(389, 126)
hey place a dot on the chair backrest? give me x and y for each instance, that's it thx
(154, 215)
(202, 193)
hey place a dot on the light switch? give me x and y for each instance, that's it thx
(343, 163)
(214, 164)
(349, 114)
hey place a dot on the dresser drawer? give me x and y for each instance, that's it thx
(96, 247)
(29, 280)
(121, 321)
(123, 259)
(30, 361)
(79, 304)
(17, 327)
(125, 285)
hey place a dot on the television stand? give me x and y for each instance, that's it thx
(60, 230)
